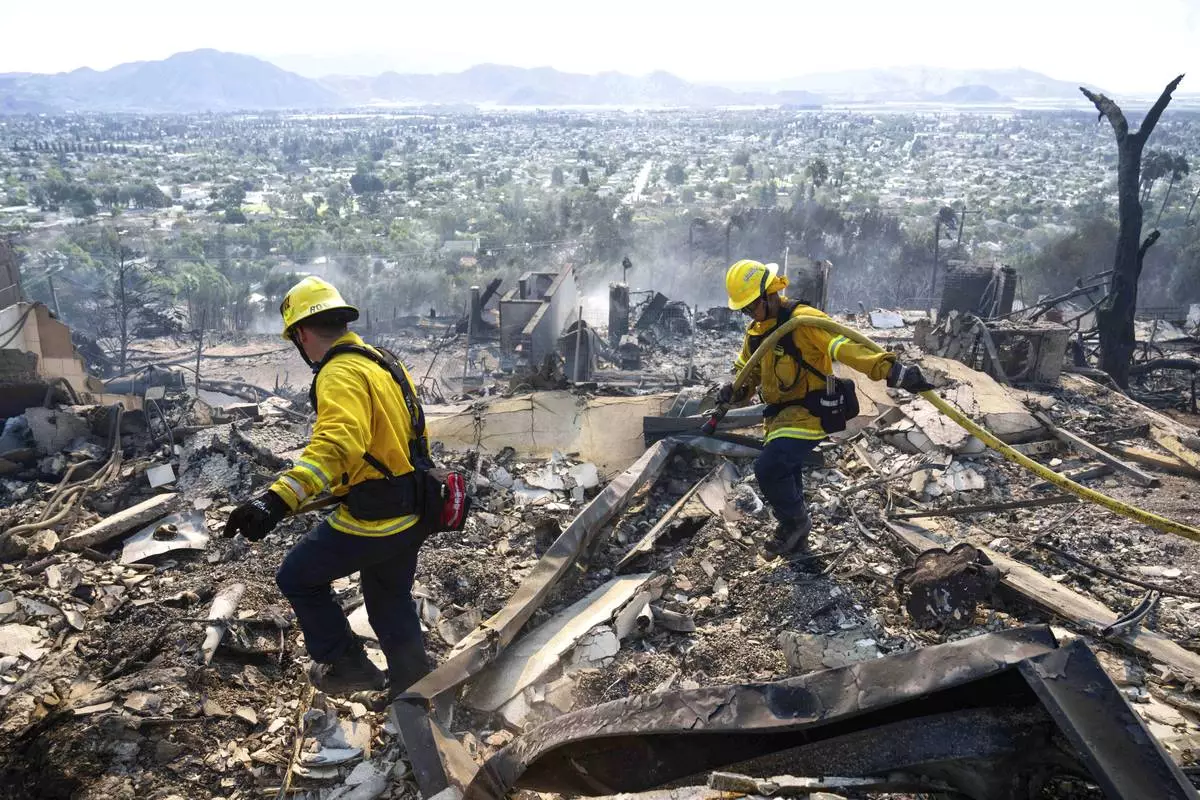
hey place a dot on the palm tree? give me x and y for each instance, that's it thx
(1179, 170)
(1195, 197)
(1155, 164)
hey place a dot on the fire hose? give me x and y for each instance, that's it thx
(985, 436)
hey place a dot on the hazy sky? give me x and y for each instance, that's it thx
(760, 40)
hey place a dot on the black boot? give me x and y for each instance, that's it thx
(407, 664)
(351, 672)
(791, 534)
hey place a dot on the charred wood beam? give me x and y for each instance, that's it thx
(1156, 364)
(1041, 307)
(1081, 445)
(958, 511)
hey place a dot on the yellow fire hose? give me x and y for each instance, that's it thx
(1066, 484)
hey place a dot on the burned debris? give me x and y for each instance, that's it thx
(607, 621)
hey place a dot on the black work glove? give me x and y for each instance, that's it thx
(907, 377)
(725, 395)
(256, 519)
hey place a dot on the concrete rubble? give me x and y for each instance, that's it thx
(143, 654)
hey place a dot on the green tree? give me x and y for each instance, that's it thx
(556, 176)
(232, 195)
(584, 180)
(818, 172)
(676, 175)
(364, 182)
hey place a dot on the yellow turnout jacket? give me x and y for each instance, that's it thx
(780, 379)
(360, 409)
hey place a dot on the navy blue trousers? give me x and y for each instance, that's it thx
(388, 565)
(778, 471)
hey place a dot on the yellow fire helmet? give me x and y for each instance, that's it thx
(747, 280)
(309, 297)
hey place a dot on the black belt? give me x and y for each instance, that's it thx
(772, 410)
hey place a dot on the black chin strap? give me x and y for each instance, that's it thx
(295, 337)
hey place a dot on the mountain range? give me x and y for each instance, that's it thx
(209, 80)
(901, 84)
(201, 80)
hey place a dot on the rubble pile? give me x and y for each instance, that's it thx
(143, 654)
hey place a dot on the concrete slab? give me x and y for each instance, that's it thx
(980, 397)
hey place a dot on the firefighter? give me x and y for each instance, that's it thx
(367, 446)
(793, 379)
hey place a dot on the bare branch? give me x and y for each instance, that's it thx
(1156, 111)
(1108, 108)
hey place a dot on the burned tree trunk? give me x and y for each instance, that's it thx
(1115, 316)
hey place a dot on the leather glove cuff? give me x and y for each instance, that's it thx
(907, 377)
(272, 507)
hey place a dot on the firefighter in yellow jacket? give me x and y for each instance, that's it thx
(366, 441)
(792, 379)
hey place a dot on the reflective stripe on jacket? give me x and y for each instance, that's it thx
(360, 409)
(780, 378)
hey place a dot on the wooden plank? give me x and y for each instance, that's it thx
(1119, 434)
(1090, 615)
(1083, 446)
(1149, 458)
(1175, 447)
(121, 522)
(532, 657)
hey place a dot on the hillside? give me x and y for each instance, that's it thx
(929, 83)
(201, 80)
(494, 83)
